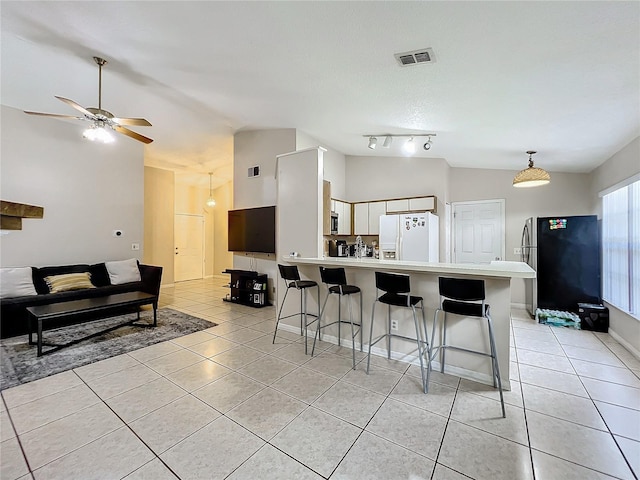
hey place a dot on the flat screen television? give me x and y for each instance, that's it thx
(253, 230)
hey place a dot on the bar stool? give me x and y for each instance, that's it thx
(291, 277)
(459, 296)
(336, 281)
(397, 293)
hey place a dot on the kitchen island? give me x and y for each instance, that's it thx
(469, 333)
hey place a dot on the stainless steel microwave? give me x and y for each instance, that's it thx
(334, 223)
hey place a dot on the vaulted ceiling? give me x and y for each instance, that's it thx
(562, 78)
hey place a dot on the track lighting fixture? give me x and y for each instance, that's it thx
(531, 176)
(409, 146)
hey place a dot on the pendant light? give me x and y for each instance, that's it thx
(211, 202)
(531, 176)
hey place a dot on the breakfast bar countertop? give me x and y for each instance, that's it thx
(493, 269)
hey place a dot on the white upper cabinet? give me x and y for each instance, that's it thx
(366, 220)
(394, 206)
(422, 204)
(343, 209)
(376, 210)
(344, 223)
(360, 218)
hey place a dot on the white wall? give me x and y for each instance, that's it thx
(251, 148)
(334, 164)
(379, 178)
(87, 190)
(620, 166)
(258, 147)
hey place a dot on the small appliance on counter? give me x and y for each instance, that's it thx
(338, 248)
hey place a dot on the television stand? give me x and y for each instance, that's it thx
(247, 288)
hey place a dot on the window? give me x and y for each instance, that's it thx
(621, 246)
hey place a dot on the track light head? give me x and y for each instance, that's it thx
(410, 146)
(387, 141)
(373, 141)
(427, 145)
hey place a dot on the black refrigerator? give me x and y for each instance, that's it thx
(567, 261)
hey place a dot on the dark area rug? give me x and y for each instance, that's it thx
(19, 363)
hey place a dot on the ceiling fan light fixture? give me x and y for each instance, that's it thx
(211, 202)
(98, 133)
(373, 141)
(531, 176)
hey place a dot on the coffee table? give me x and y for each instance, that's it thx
(98, 305)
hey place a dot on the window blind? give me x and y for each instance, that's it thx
(621, 248)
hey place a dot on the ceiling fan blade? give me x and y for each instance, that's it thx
(141, 122)
(132, 134)
(53, 115)
(77, 106)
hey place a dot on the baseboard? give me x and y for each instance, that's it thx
(632, 350)
(167, 285)
(405, 357)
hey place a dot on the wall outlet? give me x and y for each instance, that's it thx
(517, 251)
(394, 324)
(135, 246)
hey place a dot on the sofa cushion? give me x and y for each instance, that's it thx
(123, 271)
(99, 275)
(40, 273)
(68, 281)
(16, 282)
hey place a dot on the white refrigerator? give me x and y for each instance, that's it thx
(410, 236)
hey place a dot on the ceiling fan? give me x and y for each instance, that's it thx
(101, 119)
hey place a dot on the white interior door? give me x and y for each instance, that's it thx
(478, 231)
(189, 249)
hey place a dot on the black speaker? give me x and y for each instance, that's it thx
(593, 317)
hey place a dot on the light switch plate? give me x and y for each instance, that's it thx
(517, 251)
(135, 246)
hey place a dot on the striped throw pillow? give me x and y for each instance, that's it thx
(68, 281)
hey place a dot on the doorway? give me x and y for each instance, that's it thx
(189, 247)
(478, 231)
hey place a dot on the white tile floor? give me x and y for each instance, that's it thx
(226, 403)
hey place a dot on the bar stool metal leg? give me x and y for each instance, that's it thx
(373, 311)
(279, 314)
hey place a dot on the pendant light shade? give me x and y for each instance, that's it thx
(531, 176)
(211, 202)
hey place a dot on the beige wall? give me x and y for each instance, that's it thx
(222, 257)
(159, 212)
(567, 194)
(166, 196)
(619, 167)
(87, 189)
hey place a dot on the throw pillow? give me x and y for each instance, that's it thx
(16, 282)
(123, 271)
(68, 281)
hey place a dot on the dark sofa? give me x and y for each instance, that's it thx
(13, 313)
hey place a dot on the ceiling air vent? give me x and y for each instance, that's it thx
(424, 55)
